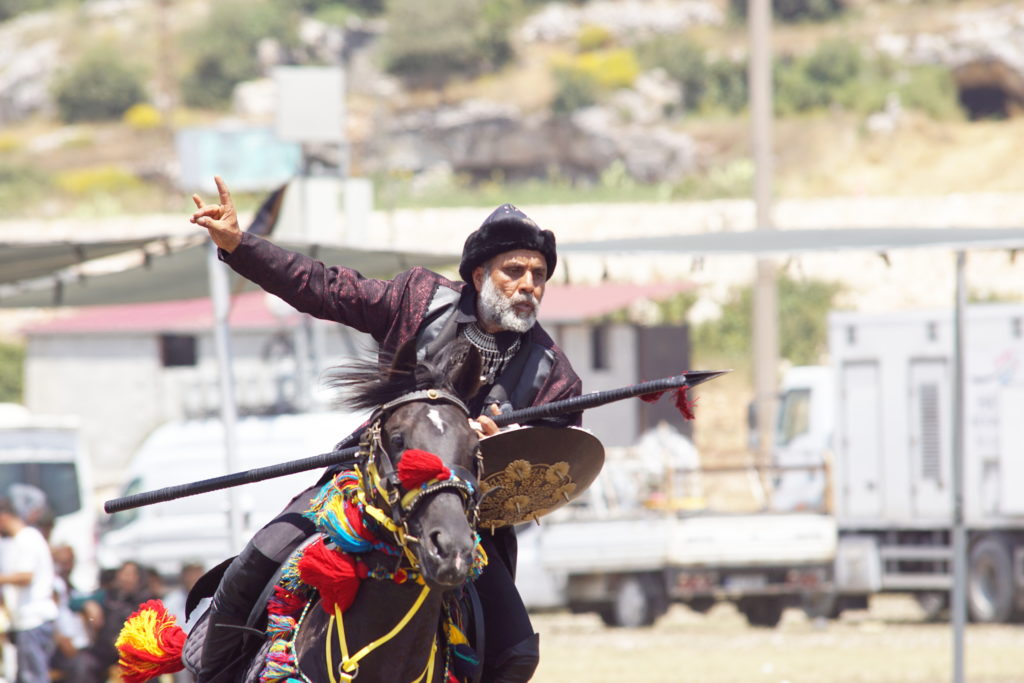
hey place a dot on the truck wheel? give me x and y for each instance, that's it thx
(632, 606)
(761, 611)
(990, 590)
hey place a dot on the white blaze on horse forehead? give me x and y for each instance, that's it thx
(434, 416)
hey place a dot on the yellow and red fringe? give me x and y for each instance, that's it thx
(150, 643)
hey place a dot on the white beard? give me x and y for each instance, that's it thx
(498, 309)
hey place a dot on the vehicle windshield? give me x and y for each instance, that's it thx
(58, 480)
(794, 415)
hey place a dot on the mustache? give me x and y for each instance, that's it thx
(524, 298)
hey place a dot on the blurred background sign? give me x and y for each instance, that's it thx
(254, 158)
(310, 103)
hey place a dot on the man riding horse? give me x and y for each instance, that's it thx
(506, 264)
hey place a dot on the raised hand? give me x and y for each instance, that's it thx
(220, 220)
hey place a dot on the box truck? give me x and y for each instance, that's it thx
(879, 421)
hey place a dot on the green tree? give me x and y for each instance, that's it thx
(12, 8)
(100, 85)
(726, 87)
(794, 11)
(12, 372)
(367, 7)
(429, 42)
(707, 84)
(224, 48)
(683, 60)
(803, 324)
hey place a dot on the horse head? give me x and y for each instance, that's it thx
(421, 456)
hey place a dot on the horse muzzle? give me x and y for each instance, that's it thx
(446, 542)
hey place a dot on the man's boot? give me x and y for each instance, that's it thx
(229, 610)
(517, 664)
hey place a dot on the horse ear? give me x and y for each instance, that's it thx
(466, 380)
(404, 361)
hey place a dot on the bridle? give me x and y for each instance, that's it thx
(381, 489)
(380, 468)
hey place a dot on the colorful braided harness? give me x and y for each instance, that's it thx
(350, 526)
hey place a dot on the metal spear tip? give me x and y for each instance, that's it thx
(695, 377)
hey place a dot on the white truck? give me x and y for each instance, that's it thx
(195, 528)
(880, 419)
(48, 452)
(628, 556)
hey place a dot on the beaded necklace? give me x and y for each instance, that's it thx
(494, 360)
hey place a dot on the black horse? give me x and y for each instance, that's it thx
(403, 523)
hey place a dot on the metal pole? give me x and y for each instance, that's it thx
(765, 299)
(220, 296)
(958, 600)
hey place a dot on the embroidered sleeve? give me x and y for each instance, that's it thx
(333, 293)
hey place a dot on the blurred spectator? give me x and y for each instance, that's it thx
(71, 634)
(45, 521)
(106, 615)
(155, 584)
(29, 502)
(175, 599)
(27, 578)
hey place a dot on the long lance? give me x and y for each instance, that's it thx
(351, 455)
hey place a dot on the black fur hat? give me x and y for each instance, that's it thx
(506, 229)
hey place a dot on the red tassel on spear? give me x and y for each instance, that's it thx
(683, 403)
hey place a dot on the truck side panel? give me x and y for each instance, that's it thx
(861, 411)
(929, 431)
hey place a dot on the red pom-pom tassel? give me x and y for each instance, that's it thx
(335, 574)
(150, 644)
(418, 467)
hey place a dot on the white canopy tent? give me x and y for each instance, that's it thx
(172, 267)
(160, 269)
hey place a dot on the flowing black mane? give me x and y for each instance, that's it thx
(368, 383)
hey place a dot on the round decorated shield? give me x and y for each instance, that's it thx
(532, 471)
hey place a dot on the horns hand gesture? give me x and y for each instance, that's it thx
(221, 220)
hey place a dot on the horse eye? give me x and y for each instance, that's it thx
(397, 442)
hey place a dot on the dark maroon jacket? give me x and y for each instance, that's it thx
(417, 304)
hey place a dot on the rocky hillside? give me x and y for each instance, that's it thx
(599, 100)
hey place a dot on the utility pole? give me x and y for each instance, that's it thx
(167, 98)
(765, 299)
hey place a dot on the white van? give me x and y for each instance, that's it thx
(196, 528)
(48, 452)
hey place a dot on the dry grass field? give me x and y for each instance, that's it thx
(889, 643)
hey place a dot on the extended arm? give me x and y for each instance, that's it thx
(16, 578)
(330, 293)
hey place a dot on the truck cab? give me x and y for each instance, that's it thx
(47, 452)
(803, 439)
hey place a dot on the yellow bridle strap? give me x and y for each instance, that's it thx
(376, 512)
(351, 664)
(377, 480)
(428, 670)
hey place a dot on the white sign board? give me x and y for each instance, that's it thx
(249, 158)
(310, 103)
